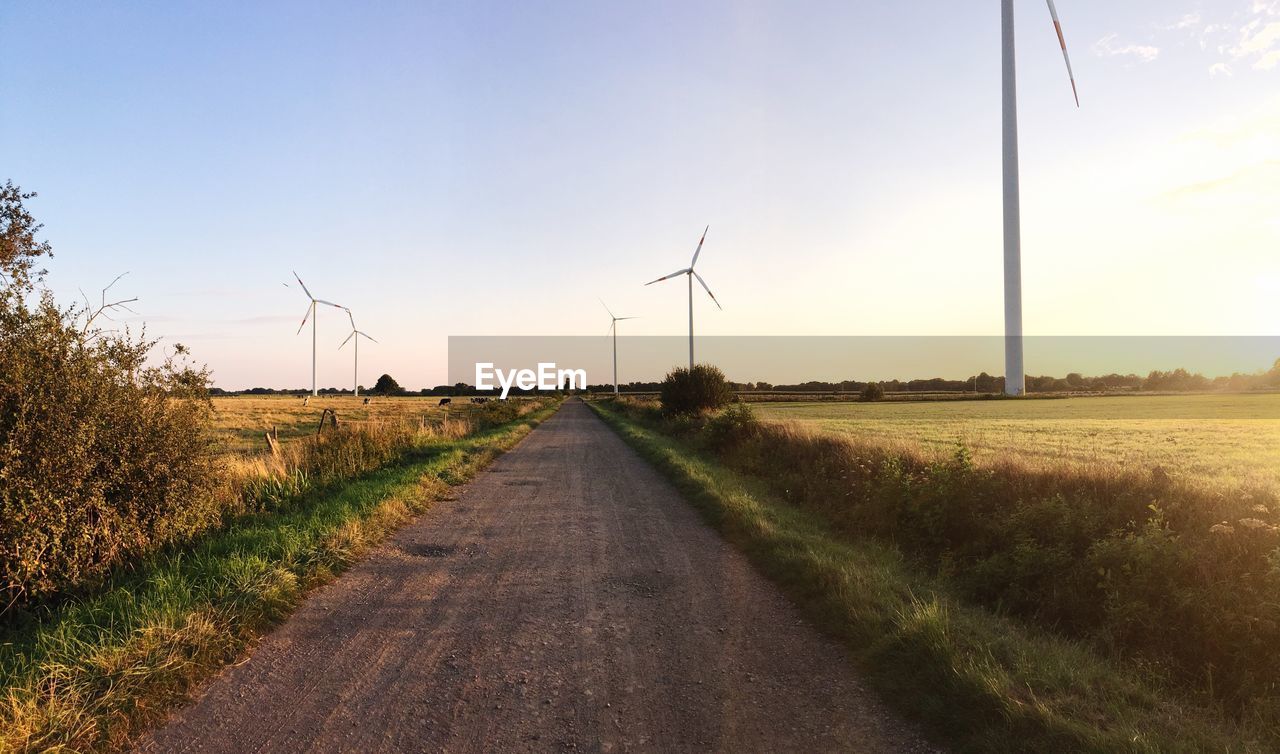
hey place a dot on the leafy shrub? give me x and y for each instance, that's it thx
(872, 392)
(102, 457)
(731, 426)
(704, 388)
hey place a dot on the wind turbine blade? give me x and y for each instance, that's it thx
(698, 251)
(668, 277)
(1062, 40)
(330, 303)
(606, 306)
(304, 319)
(612, 325)
(624, 319)
(709, 293)
(349, 337)
(304, 286)
(350, 317)
(368, 337)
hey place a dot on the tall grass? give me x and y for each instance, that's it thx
(1177, 578)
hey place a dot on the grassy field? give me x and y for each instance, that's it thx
(1212, 439)
(241, 420)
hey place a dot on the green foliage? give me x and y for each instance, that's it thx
(872, 392)
(704, 388)
(102, 456)
(731, 426)
(19, 248)
(386, 385)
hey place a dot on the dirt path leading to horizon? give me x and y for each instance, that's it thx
(566, 599)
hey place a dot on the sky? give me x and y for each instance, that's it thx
(479, 168)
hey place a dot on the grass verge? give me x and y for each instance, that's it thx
(100, 668)
(979, 681)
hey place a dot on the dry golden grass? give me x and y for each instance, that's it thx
(242, 421)
(1219, 440)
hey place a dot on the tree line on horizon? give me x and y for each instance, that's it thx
(1173, 381)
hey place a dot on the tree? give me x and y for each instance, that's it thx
(703, 388)
(19, 249)
(873, 392)
(386, 385)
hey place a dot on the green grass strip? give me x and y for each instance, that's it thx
(101, 668)
(977, 681)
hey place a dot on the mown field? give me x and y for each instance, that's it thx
(242, 421)
(1212, 439)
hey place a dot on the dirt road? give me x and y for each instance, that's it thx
(567, 599)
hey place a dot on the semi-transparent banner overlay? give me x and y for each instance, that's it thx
(829, 366)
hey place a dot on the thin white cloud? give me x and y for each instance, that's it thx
(1220, 69)
(1259, 43)
(1252, 38)
(1108, 48)
(1189, 21)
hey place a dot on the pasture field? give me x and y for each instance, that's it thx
(1213, 439)
(240, 421)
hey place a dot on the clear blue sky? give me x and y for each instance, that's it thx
(485, 168)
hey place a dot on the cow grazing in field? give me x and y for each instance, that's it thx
(445, 401)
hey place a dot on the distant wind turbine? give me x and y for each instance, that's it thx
(355, 379)
(1015, 380)
(311, 314)
(689, 273)
(613, 330)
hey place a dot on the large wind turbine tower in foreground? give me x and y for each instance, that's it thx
(1015, 380)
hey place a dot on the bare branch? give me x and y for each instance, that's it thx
(106, 307)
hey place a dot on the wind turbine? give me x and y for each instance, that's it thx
(1015, 380)
(613, 330)
(357, 335)
(690, 274)
(311, 313)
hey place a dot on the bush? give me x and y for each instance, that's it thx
(732, 426)
(101, 456)
(704, 388)
(873, 392)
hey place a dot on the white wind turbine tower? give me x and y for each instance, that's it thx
(355, 379)
(613, 330)
(311, 313)
(690, 274)
(1015, 381)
